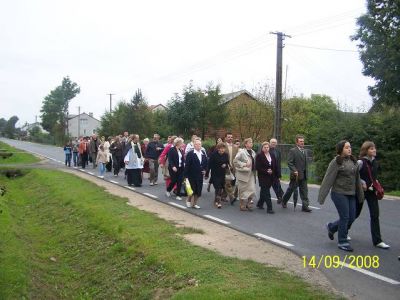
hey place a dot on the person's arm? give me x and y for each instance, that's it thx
(327, 182)
(292, 161)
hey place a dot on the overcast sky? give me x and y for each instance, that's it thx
(159, 46)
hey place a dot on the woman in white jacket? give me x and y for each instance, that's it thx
(244, 163)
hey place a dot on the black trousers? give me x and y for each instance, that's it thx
(134, 176)
(84, 159)
(265, 196)
(373, 205)
(293, 185)
(278, 189)
(176, 178)
(116, 164)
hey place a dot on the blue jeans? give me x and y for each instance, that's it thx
(346, 207)
(102, 168)
(75, 158)
(68, 159)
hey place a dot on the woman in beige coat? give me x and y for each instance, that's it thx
(244, 163)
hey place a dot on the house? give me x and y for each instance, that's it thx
(157, 108)
(28, 127)
(247, 117)
(82, 125)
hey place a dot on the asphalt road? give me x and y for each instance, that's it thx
(367, 273)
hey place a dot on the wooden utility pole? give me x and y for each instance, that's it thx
(111, 101)
(278, 87)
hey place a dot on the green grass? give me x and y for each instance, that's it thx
(17, 158)
(65, 238)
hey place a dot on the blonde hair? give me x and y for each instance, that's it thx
(177, 141)
(248, 140)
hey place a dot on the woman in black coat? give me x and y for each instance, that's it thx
(267, 172)
(195, 168)
(218, 165)
(175, 167)
(116, 151)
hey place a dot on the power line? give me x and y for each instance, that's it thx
(320, 48)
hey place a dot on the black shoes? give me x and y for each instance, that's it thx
(330, 233)
(279, 200)
(306, 209)
(346, 248)
(270, 211)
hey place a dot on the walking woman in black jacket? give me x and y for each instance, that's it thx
(218, 164)
(368, 173)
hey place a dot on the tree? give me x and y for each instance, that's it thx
(3, 123)
(55, 107)
(379, 45)
(10, 130)
(134, 117)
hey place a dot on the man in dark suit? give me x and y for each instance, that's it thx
(297, 163)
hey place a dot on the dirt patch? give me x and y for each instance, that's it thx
(221, 239)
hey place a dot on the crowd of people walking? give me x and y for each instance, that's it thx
(232, 170)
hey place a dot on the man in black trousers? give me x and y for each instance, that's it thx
(297, 163)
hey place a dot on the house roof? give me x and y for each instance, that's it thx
(154, 106)
(228, 97)
(70, 117)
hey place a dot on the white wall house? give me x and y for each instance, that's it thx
(82, 125)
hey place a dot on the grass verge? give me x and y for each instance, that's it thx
(66, 238)
(17, 157)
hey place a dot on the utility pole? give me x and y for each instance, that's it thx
(278, 87)
(79, 121)
(111, 101)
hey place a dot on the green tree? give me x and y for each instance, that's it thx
(55, 107)
(10, 130)
(3, 123)
(378, 35)
(134, 117)
(197, 110)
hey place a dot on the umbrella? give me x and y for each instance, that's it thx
(296, 186)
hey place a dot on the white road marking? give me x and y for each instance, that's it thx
(372, 274)
(217, 219)
(150, 195)
(266, 237)
(298, 204)
(83, 170)
(130, 188)
(114, 181)
(177, 205)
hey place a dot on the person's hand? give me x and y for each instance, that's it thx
(203, 172)
(296, 173)
(364, 186)
(248, 164)
(126, 162)
(269, 171)
(223, 166)
(174, 169)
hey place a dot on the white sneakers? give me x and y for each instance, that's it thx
(151, 184)
(188, 204)
(196, 206)
(382, 245)
(178, 198)
(168, 194)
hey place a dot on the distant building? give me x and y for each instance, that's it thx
(82, 125)
(157, 107)
(28, 127)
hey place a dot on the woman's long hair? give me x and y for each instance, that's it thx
(364, 148)
(339, 151)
